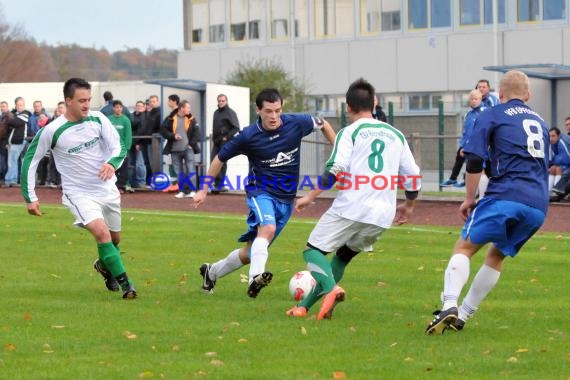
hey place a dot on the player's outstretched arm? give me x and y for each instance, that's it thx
(213, 171)
(34, 208)
(328, 132)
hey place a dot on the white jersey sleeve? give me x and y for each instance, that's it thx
(36, 151)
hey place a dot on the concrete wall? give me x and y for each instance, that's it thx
(431, 61)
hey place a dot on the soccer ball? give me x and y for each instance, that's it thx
(301, 284)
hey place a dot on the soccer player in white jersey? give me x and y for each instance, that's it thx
(371, 160)
(87, 151)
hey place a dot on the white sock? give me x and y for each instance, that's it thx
(483, 282)
(556, 179)
(550, 182)
(226, 265)
(456, 275)
(482, 188)
(259, 256)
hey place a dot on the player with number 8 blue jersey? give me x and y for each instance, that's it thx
(514, 138)
(519, 159)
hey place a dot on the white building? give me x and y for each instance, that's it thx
(415, 52)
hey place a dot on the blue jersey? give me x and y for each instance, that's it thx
(274, 156)
(515, 139)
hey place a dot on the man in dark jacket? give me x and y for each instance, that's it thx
(225, 126)
(17, 136)
(182, 134)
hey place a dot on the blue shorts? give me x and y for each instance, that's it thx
(506, 224)
(263, 210)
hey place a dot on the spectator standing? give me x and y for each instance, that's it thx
(182, 135)
(5, 115)
(224, 127)
(487, 98)
(514, 206)
(138, 150)
(567, 124)
(377, 112)
(123, 126)
(107, 108)
(272, 145)
(17, 140)
(53, 177)
(476, 105)
(172, 102)
(87, 152)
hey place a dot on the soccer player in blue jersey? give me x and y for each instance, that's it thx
(515, 138)
(272, 146)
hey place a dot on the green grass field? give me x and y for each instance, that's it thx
(57, 320)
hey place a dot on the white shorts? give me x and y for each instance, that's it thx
(333, 231)
(86, 208)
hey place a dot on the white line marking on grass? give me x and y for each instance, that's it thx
(312, 221)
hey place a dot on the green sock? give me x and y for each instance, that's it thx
(111, 258)
(338, 267)
(324, 277)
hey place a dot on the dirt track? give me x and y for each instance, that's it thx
(427, 212)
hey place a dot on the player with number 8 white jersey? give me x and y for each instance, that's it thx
(371, 160)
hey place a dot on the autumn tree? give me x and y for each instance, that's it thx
(258, 74)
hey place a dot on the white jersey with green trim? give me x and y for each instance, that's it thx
(79, 149)
(371, 160)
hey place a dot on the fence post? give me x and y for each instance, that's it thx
(441, 147)
(343, 122)
(415, 146)
(391, 113)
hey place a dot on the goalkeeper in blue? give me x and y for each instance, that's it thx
(515, 138)
(87, 151)
(371, 160)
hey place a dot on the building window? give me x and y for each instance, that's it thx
(245, 19)
(377, 15)
(199, 20)
(301, 18)
(333, 18)
(217, 17)
(424, 102)
(279, 19)
(527, 10)
(429, 14)
(473, 11)
(440, 14)
(536, 10)
(488, 11)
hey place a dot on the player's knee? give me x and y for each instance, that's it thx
(345, 254)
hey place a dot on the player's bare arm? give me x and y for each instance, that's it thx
(213, 171)
(306, 200)
(404, 211)
(328, 132)
(34, 208)
(106, 172)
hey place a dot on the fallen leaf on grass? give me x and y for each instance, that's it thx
(146, 375)
(211, 353)
(129, 335)
(57, 326)
(303, 331)
(47, 349)
(27, 317)
(242, 340)
(338, 375)
(512, 359)
(176, 348)
(10, 346)
(217, 362)
(522, 350)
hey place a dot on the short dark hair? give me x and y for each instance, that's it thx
(360, 95)
(107, 96)
(72, 84)
(117, 102)
(270, 95)
(483, 81)
(175, 98)
(555, 129)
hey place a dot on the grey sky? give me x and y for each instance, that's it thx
(113, 24)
